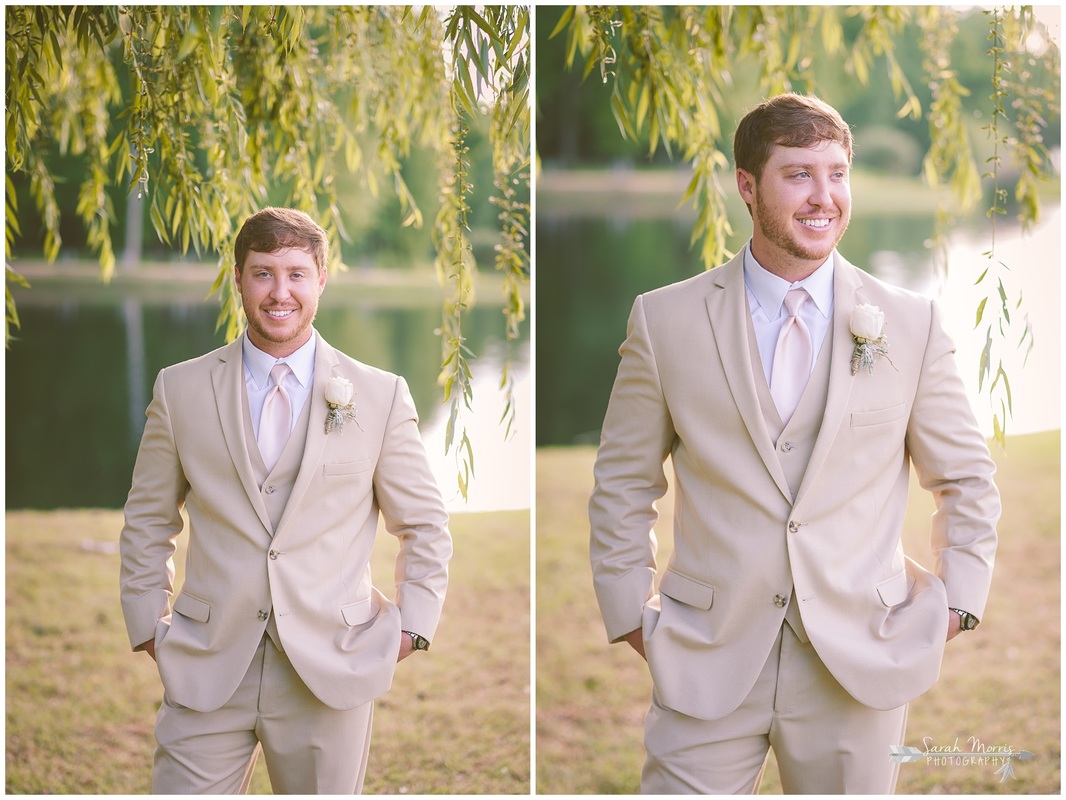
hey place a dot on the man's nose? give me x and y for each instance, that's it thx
(280, 289)
(820, 194)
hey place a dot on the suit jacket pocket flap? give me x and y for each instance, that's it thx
(193, 607)
(687, 590)
(347, 467)
(358, 613)
(860, 419)
(894, 590)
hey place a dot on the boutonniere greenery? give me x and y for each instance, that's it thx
(868, 330)
(339, 394)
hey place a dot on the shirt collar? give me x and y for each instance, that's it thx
(259, 364)
(769, 290)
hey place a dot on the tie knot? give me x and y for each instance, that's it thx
(794, 300)
(278, 372)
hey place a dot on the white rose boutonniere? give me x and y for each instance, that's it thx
(867, 328)
(339, 393)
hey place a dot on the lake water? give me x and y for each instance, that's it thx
(590, 268)
(80, 377)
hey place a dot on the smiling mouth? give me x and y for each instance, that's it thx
(815, 223)
(281, 313)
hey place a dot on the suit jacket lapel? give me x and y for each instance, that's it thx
(325, 368)
(847, 293)
(727, 307)
(227, 379)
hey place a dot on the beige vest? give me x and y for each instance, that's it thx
(275, 486)
(794, 442)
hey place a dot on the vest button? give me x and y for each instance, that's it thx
(270, 490)
(273, 555)
(263, 615)
(788, 447)
(780, 600)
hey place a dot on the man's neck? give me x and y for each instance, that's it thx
(784, 265)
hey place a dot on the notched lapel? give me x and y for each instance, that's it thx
(847, 293)
(227, 379)
(727, 307)
(325, 368)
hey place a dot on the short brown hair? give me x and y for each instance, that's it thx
(791, 120)
(272, 229)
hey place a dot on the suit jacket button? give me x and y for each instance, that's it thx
(793, 526)
(273, 555)
(780, 601)
(263, 615)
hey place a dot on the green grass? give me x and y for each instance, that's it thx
(80, 707)
(999, 684)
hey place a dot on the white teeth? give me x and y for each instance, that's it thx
(279, 314)
(815, 223)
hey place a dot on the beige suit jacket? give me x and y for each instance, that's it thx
(686, 389)
(312, 573)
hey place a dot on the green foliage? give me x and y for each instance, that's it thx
(1012, 86)
(211, 112)
(675, 71)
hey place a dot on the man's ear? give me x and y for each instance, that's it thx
(237, 277)
(746, 185)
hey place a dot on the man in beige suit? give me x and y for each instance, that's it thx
(282, 452)
(792, 393)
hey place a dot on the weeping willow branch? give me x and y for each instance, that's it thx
(226, 108)
(455, 268)
(671, 72)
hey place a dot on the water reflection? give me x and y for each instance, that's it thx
(589, 270)
(1029, 266)
(80, 377)
(501, 460)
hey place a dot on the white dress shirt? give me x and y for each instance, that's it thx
(297, 383)
(766, 302)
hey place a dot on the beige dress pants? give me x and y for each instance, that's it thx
(824, 740)
(309, 747)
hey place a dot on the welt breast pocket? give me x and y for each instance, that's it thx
(344, 468)
(878, 416)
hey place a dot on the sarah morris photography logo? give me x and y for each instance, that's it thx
(971, 753)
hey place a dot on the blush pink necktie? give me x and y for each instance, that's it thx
(793, 357)
(276, 421)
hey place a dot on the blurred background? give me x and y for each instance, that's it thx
(80, 372)
(609, 223)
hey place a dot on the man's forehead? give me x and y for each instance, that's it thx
(825, 151)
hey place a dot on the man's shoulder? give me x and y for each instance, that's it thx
(354, 369)
(204, 362)
(880, 292)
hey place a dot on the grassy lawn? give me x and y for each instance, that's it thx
(999, 684)
(81, 707)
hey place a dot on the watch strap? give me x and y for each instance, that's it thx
(417, 641)
(968, 620)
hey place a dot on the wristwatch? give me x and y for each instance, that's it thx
(418, 642)
(969, 621)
